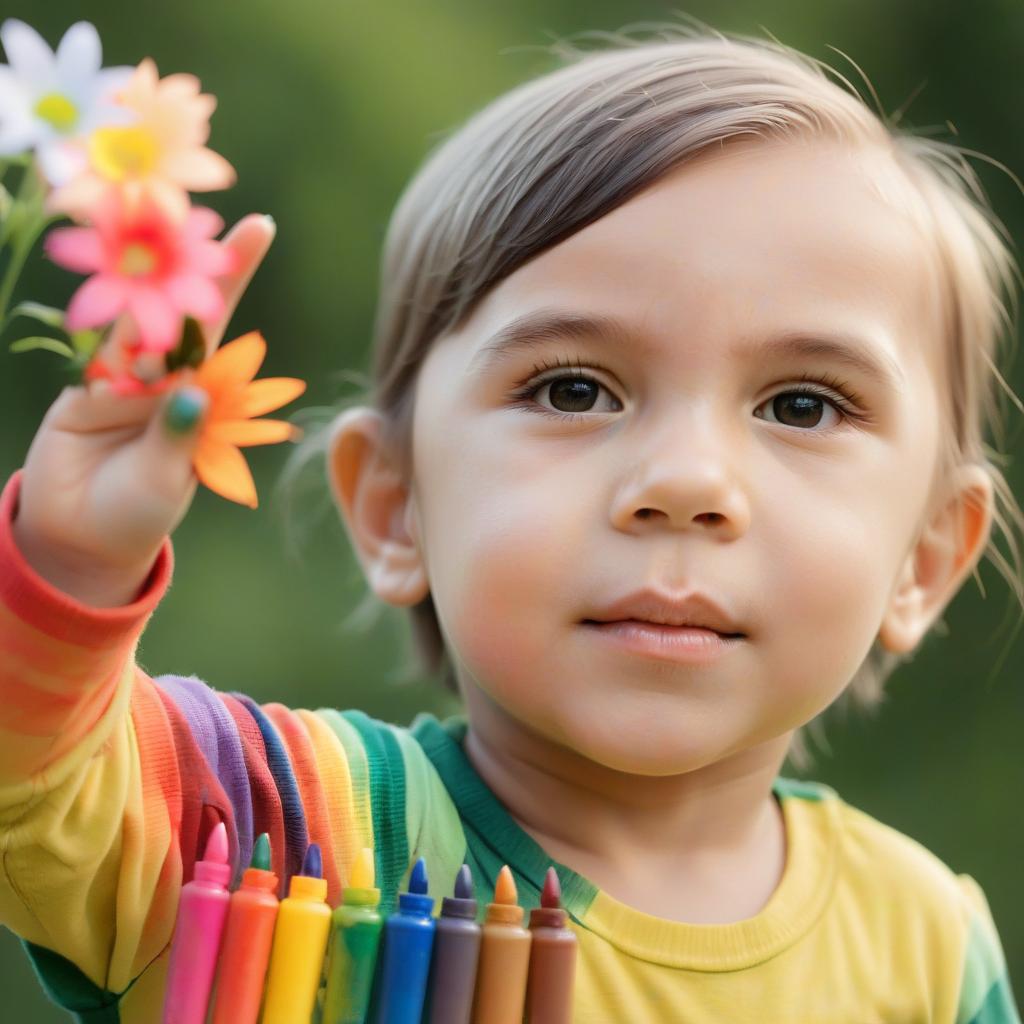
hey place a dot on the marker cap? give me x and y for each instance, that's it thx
(214, 866)
(304, 887)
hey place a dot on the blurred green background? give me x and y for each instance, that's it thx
(325, 110)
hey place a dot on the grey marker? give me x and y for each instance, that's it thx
(456, 951)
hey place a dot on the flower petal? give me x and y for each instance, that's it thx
(203, 223)
(18, 135)
(158, 318)
(28, 52)
(79, 55)
(199, 170)
(235, 363)
(223, 469)
(212, 258)
(96, 302)
(60, 161)
(270, 393)
(15, 96)
(250, 432)
(110, 81)
(197, 296)
(171, 198)
(78, 249)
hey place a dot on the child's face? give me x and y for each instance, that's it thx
(694, 467)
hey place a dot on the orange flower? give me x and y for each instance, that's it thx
(227, 377)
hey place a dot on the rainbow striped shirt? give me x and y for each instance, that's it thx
(110, 781)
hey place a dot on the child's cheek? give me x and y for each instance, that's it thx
(822, 614)
(508, 589)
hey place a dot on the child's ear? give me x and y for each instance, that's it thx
(947, 549)
(377, 507)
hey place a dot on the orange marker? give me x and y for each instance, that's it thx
(247, 939)
(504, 958)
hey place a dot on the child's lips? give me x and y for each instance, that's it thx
(687, 644)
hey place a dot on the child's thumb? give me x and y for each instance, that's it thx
(183, 412)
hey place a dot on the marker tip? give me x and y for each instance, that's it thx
(418, 878)
(551, 897)
(312, 863)
(217, 845)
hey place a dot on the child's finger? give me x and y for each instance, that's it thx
(170, 440)
(250, 238)
(86, 409)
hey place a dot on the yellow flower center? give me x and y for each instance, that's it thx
(119, 153)
(58, 110)
(137, 260)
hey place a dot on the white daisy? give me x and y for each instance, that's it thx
(50, 101)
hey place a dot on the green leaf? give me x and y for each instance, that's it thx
(5, 202)
(50, 344)
(85, 342)
(37, 311)
(190, 350)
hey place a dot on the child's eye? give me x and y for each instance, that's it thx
(574, 394)
(571, 393)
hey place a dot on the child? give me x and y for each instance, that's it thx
(683, 362)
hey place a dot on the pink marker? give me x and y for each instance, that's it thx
(202, 910)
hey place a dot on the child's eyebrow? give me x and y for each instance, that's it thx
(539, 327)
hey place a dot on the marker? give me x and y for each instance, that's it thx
(401, 982)
(504, 958)
(300, 940)
(549, 989)
(355, 936)
(456, 952)
(248, 934)
(202, 910)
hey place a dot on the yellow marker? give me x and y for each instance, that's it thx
(300, 940)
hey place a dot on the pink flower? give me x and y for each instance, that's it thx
(144, 263)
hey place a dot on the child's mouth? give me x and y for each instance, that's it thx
(691, 644)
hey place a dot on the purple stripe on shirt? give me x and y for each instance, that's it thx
(217, 736)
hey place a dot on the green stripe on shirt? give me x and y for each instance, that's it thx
(387, 800)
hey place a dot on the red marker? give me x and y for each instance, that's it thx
(549, 990)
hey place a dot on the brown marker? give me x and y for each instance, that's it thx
(549, 990)
(504, 958)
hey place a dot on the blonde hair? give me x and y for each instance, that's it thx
(560, 151)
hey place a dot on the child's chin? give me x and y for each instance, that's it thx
(654, 747)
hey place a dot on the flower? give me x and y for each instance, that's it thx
(227, 377)
(161, 155)
(144, 263)
(129, 370)
(50, 101)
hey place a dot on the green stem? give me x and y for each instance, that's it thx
(31, 191)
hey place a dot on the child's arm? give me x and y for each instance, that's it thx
(110, 781)
(90, 808)
(985, 994)
(106, 787)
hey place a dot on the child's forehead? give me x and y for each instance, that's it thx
(761, 236)
(792, 202)
(755, 242)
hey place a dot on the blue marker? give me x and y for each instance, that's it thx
(404, 964)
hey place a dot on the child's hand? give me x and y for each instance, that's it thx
(106, 478)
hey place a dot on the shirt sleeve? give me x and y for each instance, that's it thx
(985, 993)
(111, 780)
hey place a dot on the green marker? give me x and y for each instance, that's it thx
(355, 936)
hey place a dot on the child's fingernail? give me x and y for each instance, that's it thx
(185, 409)
(270, 220)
